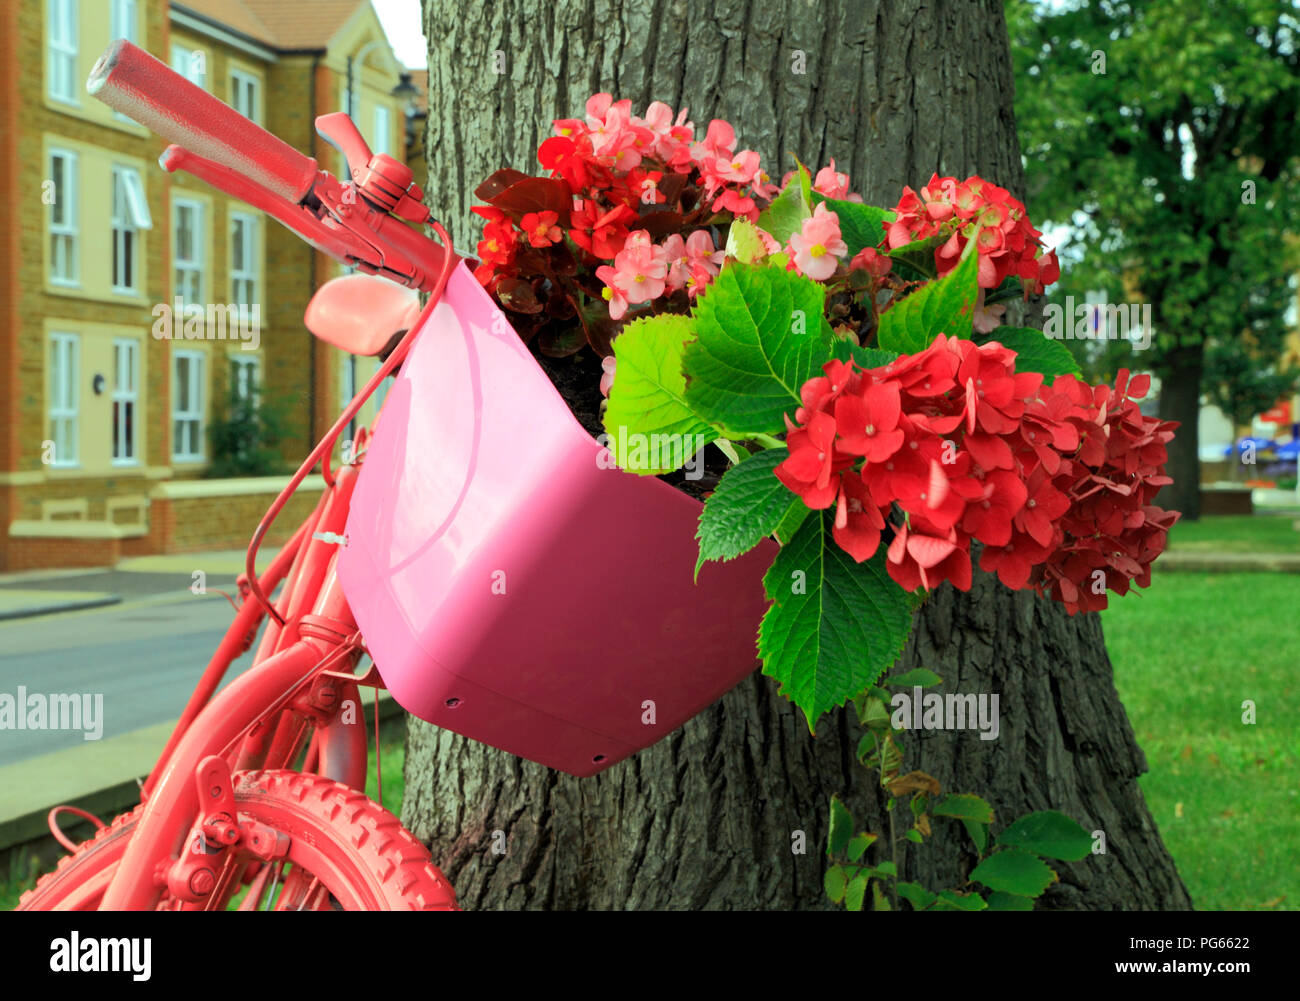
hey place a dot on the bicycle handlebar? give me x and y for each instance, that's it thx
(131, 81)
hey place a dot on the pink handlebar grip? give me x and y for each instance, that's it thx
(131, 81)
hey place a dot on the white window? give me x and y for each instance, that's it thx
(192, 64)
(244, 95)
(382, 142)
(243, 379)
(130, 215)
(64, 262)
(65, 364)
(187, 406)
(187, 250)
(243, 259)
(62, 33)
(126, 397)
(122, 21)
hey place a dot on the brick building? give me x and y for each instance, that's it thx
(105, 449)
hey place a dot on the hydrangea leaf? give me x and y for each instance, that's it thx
(760, 335)
(1035, 352)
(946, 306)
(747, 506)
(651, 428)
(834, 625)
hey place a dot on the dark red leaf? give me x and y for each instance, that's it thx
(660, 224)
(498, 183)
(536, 194)
(518, 296)
(560, 341)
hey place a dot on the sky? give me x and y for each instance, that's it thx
(401, 21)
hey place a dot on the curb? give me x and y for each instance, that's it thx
(66, 606)
(30, 788)
(1176, 562)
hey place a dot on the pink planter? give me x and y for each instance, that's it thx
(511, 589)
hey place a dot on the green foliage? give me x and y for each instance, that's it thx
(761, 334)
(748, 505)
(245, 436)
(649, 397)
(1034, 352)
(1176, 161)
(1014, 874)
(834, 625)
(945, 306)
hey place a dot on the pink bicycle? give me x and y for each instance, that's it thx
(455, 547)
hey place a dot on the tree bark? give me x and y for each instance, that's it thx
(710, 817)
(1180, 400)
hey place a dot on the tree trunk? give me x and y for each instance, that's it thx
(1180, 400)
(710, 817)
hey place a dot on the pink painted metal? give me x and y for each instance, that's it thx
(512, 589)
(360, 313)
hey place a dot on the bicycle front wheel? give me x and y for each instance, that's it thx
(345, 852)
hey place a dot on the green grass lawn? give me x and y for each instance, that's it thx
(1226, 795)
(1238, 533)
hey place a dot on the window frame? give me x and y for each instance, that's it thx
(64, 410)
(124, 13)
(68, 227)
(197, 363)
(188, 265)
(239, 81)
(247, 270)
(123, 397)
(386, 145)
(184, 65)
(61, 16)
(129, 217)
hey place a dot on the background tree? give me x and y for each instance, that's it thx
(707, 817)
(1168, 133)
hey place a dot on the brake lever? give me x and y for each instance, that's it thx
(335, 218)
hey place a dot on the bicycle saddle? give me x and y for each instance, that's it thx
(361, 313)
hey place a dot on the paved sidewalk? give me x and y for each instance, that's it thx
(1228, 562)
(43, 592)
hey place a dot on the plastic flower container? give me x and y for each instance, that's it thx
(510, 586)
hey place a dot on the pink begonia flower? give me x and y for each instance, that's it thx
(763, 186)
(607, 365)
(739, 169)
(639, 274)
(739, 205)
(718, 142)
(986, 319)
(699, 280)
(831, 183)
(817, 247)
(770, 243)
(678, 270)
(669, 135)
(700, 250)
(613, 292)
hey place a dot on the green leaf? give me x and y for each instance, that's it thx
(914, 836)
(844, 349)
(648, 417)
(834, 625)
(1035, 352)
(919, 254)
(795, 517)
(887, 868)
(945, 306)
(787, 212)
(954, 901)
(856, 891)
(964, 806)
(979, 833)
(841, 828)
(917, 677)
(858, 846)
(1048, 833)
(760, 335)
(999, 901)
(835, 883)
(860, 225)
(744, 243)
(747, 506)
(915, 894)
(1014, 871)
(879, 901)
